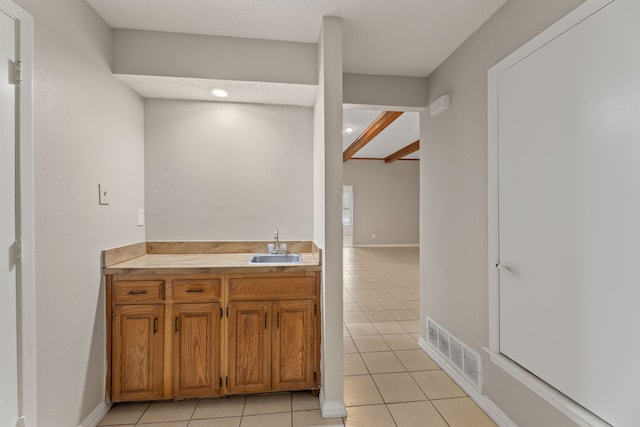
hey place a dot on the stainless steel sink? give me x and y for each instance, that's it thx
(275, 259)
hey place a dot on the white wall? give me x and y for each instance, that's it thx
(389, 92)
(222, 171)
(454, 196)
(386, 201)
(88, 128)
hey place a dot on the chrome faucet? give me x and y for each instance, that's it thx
(276, 242)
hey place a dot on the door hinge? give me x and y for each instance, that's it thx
(19, 250)
(20, 422)
(17, 71)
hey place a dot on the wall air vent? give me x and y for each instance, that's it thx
(462, 358)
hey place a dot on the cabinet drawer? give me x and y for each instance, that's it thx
(272, 288)
(138, 291)
(196, 289)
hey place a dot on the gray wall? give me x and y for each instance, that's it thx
(454, 195)
(386, 201)
(222, 171)
(88, 128)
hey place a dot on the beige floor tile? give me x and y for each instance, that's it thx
(437, 384)
(416, 336)
(349, 306)
(267, 404)
(371, 306)
(361, 329)
(361, 390)
(416, 414)
(378, 316)
(382, 362)
(411, 326)
(124, 414)
(398, 387)
(390, 327)
(365, 298)
(354, 317)
(392, 305)
(463, 412)
(369, 416)
(218, 408)
(167, 424)
(348, 299)
(353, 365)
(345, 331)
(267, 420)
(304, 401)
(401, 342)
(411, 305)
(120, 425)
(313, 419)
(416, 360)
(348, 346)
(403, 315)
(367, 344)
(214, 422)
(169, 411)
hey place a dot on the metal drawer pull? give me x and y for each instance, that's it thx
(155, 325)
(194, 291)
(136, 292)
(175, 324)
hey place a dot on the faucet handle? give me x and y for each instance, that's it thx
(283, 248)
(271, 248)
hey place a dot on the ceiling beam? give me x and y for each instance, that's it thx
(413, 147)
(377, 126)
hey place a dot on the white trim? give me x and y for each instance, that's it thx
(559, 401)
(26, 308)
(483, 401)
(331, 408)
(400, 245)
(562, 403)
(96, 415)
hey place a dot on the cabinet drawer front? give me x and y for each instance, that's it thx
(197, 289)
(272, 287)
(138, 291)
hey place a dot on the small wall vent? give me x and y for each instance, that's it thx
(464, 359)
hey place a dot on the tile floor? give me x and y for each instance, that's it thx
(389, 380)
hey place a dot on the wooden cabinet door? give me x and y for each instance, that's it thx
(249, 346)
(294, 345)
(196, 350)
(137, 352)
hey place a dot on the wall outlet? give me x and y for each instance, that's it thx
(104, 194)
(373, 236)
(140, 217)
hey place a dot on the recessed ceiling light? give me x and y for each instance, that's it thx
(220, 93)
(347, 130)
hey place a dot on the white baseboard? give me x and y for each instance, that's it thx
(96, 415)
(483, 401)
(400, 245)
(332, 408)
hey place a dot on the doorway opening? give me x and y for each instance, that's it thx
(347, 216)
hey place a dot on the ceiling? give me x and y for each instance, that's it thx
(427, 31)
(400, 133)
(407, 38)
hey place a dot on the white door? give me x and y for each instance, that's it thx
(8, 261)
(569, 213)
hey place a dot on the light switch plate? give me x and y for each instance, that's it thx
(140, 217)
(105, 194)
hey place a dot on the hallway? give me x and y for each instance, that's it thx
(389, 380)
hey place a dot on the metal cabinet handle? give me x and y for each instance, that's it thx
(155, 325)
(195, 291)
(136, 292)
(506, 268)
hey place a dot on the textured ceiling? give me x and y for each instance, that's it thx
(403, 38)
